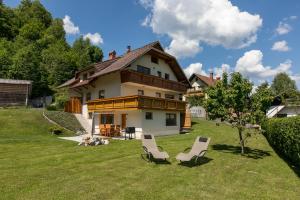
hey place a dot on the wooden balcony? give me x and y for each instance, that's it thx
(155, 81)
(134, 103)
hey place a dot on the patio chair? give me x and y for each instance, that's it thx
(197, 151)
(152, 150)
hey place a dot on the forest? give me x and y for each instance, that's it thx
(33, 47)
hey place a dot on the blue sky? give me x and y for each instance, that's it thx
(225, 38)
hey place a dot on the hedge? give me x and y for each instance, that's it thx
(284, 135)
(64, 119)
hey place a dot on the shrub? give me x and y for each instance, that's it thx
(284, 135)
(51, 107)
(64, 119)
(56, 130)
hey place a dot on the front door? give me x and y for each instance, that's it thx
(123, 125)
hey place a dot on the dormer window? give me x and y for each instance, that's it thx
(84, 76)
(154, 59)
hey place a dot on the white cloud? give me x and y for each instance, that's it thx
(69, 26)
(293, 17)
(194, 68)
(198, 69)
(281, 46)
(94, 38)
(218, 71)
(250, 65)
(190, 23)
(283, 28)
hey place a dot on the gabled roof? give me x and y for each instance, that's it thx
(207, 80)
(126, 59)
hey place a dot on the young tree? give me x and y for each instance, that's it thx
(284, 86)
(231, 102)
(261, 100)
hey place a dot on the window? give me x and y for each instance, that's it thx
(144, 70)
(140, 92)
(101, 94)
(90, 115)
(154, 59)
(169, 96)
(91, 73)
(84, 76)
(158, 94)
(107, 119)
(159, 74)
(149, 115)
(88, 96)
(167, 76)
(180, 97)
(171, 119)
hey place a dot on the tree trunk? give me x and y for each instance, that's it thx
(241, 141)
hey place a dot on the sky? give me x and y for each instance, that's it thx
(258, 38)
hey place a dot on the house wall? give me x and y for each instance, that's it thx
(198, 83)
(157, 126)
(162, 66)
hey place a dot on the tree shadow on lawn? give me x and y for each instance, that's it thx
(250, 153)
(201, 161)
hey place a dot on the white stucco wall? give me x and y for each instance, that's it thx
(157, 126)
(162, 66)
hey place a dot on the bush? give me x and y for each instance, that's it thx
(51, 107)
(56, 130)
(64, 119)
(284, 135)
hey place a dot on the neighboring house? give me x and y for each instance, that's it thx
(199, 83)
(283, 111)
(142, 88)
(14, 92)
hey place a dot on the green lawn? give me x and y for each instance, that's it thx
(37, 165)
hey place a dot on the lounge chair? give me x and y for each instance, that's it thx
(197, 151)
(152, 150)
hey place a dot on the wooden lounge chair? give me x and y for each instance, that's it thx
(152, 150)
(197, 151)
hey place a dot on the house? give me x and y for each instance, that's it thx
(289, 108)
(199, 83)
(14, 92)
(143, 88)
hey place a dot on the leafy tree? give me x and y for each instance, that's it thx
(284, 86)
(58, 62)
(85, 53)
(7, 22)
(6, 52)
(261, 100)
(231, 102)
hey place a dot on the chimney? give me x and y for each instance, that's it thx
(112, 55)
(128, 48)
(211, 74)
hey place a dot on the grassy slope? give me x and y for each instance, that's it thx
(37, 165)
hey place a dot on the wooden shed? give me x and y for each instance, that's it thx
(14, 92)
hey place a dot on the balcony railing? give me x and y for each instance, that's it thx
(135, 102)
(137, 77)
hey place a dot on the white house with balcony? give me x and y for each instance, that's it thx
(142, 88)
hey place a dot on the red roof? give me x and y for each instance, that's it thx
(207, 80)
(125, 60)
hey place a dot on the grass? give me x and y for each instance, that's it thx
(37, 165)
(64, 119)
